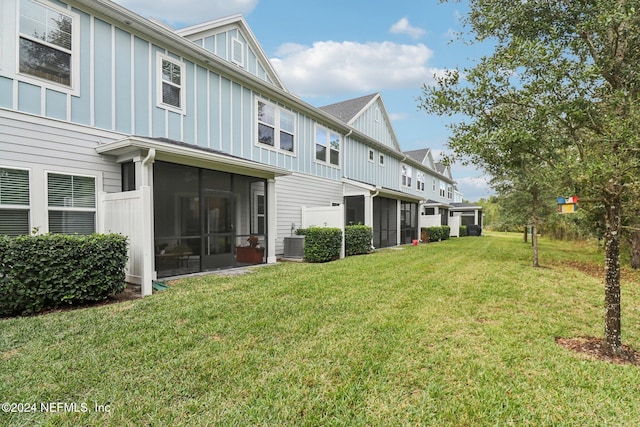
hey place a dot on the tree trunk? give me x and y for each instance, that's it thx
(534, 242)
(612, 332)
(526, 232)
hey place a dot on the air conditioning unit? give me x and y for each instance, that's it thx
(294, 247)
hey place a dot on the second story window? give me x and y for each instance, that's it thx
(48, 44)
(171, 84)
(406, 176)
(420, 181)
(327, 146)
(276, 127)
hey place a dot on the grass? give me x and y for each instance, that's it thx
(456, 333)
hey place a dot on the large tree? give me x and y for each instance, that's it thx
(570, 68)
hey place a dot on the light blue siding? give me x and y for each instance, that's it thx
(209, 44)
(214, 111)
(81, 105)
(29, 98)
(175, 126)
(142, 95)
(6, 92)
(55, 105)
(190, 118)
(123, 82)
(221, 46)
(225, 102)
(201, 129)
(103, 102)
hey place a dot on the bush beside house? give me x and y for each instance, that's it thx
(48, 271)
(434, 234)
(321, 244)
(463, 231)
(357, 239)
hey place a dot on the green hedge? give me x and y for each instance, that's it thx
(437, 233)
(321, 244)
(47, 271)
(463, 231)
(357, 239)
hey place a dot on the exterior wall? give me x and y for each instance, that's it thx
(358, 167)
(219, 41)
(119, 78)
(45, 145)
(373, 122)
(295, 191)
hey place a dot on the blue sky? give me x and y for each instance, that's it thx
(327, 51)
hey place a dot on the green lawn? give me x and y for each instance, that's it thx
(456, 333)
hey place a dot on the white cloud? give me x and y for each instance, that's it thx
(404, 27)
(188, 12)
(332, 68)
(398, 116)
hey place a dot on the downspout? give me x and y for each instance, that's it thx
(151, 156)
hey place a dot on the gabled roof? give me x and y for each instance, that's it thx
(418, 155)
(212, 27)
(349, 110)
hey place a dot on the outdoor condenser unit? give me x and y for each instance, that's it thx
(294, 247)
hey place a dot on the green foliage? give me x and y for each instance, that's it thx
(437, 233)
(48, 271)
(357, 239)
(321, 244)
(463, 230)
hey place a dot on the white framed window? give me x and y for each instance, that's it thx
(433, 185)
(237, 52)
(377, 115)
(259, 223)
(443, 189)
(276, 126)
(406, 176)
(381, 159)
(371, 155)
(449, 192)
(48, 45)
(14, 201)
(170, 84)
(327, 145)
(420, 181)
(71, 203)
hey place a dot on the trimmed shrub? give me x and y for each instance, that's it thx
(435, 234)
(357, 239)
(321, 244)
(47, 271)
(463, 230)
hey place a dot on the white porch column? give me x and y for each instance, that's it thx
(398, 222)
(272, 224)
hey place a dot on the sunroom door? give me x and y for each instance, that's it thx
(218, 229)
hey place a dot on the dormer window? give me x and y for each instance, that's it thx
(237, 52)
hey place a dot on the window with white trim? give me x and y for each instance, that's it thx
(406, 176)
(170, 83)
(381, 159)
(371, 156)
(237, 52)
(71, 201)
(443, 189)
(449, 192)
(48, 44)
(276, 127)
(420, 181)
(14, 202)
(433, 185)
(327, 146)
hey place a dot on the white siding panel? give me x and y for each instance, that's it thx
(295, 191)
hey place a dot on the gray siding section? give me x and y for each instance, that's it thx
(295, 191)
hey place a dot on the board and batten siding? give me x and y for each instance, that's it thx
(295, 191)
(373, 123)
(118, 92)
(219, 44)
(358, 167)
